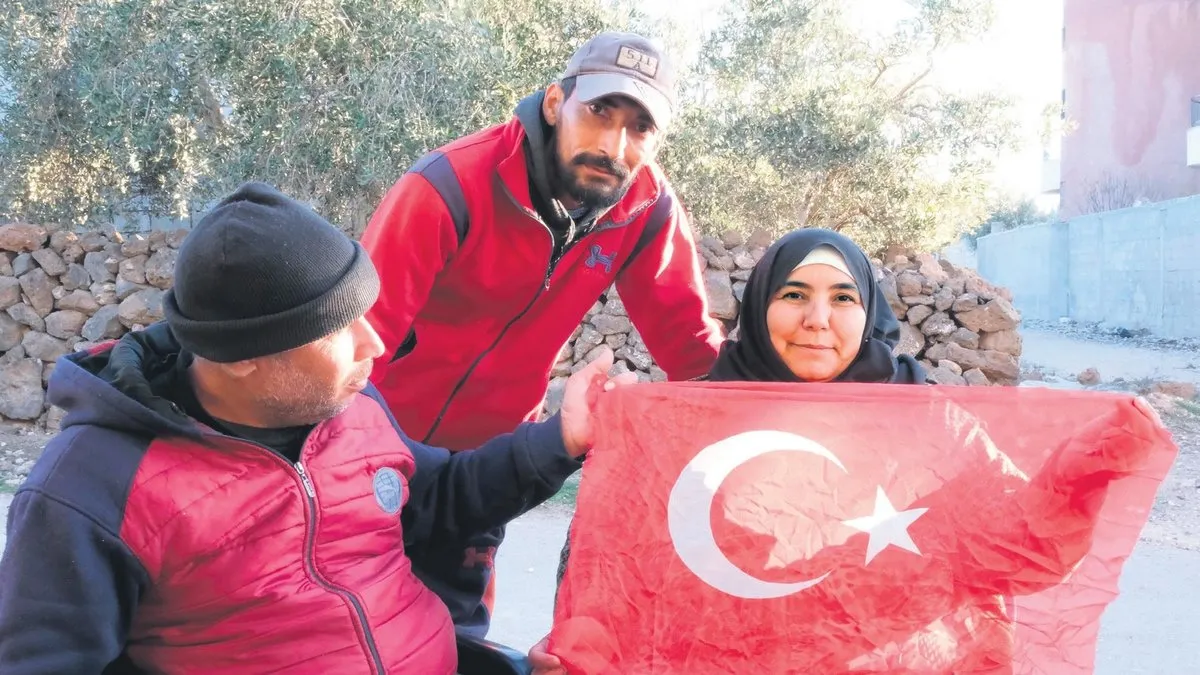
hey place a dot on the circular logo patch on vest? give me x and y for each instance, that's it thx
(388, 490)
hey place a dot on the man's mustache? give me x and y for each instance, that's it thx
(605, 164)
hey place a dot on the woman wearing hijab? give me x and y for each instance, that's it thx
(811, 312)
(805, 317)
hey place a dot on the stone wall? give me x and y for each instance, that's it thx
(962, 328)
(61, 291)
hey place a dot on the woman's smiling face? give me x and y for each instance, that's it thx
(817, 321)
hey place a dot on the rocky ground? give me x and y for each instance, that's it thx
(1166, 372)
(62, 292)
(1175, 520)
(1099, 332)
(18, 450)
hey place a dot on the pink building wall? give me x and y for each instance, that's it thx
(1131, 68)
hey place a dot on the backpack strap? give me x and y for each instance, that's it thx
(655, 223)
(435, 167)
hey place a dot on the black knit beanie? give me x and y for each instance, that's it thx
(263, 273)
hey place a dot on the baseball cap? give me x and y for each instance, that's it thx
(626, 64)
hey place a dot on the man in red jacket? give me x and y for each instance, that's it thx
(492, 249)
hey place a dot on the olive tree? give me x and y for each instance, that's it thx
(161, 105)
(799, 121)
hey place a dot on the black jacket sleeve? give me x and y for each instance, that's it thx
(455, 495)
(68, 589)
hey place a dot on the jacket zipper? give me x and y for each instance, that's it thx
(544, 287)
(310, 539)
(310, 543)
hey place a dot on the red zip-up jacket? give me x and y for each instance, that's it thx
(473, 311)
(145, 542)
(472, 328)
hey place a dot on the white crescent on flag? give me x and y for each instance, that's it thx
(690, 503)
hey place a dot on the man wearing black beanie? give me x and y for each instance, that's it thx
(262, 276)
(230, 494)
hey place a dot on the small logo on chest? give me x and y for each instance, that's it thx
(598, 258)
(389, 490)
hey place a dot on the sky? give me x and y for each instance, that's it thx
(1021, 56)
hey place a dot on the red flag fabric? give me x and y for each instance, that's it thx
(853, 528)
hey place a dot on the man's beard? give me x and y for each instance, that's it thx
(590, 195)
(294, 399)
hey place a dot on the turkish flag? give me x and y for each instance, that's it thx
(853, 528)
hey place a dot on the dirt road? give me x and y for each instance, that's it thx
(1128, 360)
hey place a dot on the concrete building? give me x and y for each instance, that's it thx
(1131, 89)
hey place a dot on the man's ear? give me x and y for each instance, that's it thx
(552, 103)
(240, 369)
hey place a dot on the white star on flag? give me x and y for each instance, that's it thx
(887, 527)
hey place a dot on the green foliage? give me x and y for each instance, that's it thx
(799, 121)
(1007, 213)
(790, 116)
(161, 105)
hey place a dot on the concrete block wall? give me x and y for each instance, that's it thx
(1181, 269)
(1028, 261)
(1136, 268)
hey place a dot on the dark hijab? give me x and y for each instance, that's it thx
(753, 358)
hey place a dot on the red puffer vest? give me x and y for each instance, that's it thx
(301, 566)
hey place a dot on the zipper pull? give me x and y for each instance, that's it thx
(550, 271)
(308, 486)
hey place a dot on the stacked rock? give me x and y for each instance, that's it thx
(62, 291)
(962, 328)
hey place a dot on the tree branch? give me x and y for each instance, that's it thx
(937, 43)
(904, 91)
(845, 221)
(883, 67)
